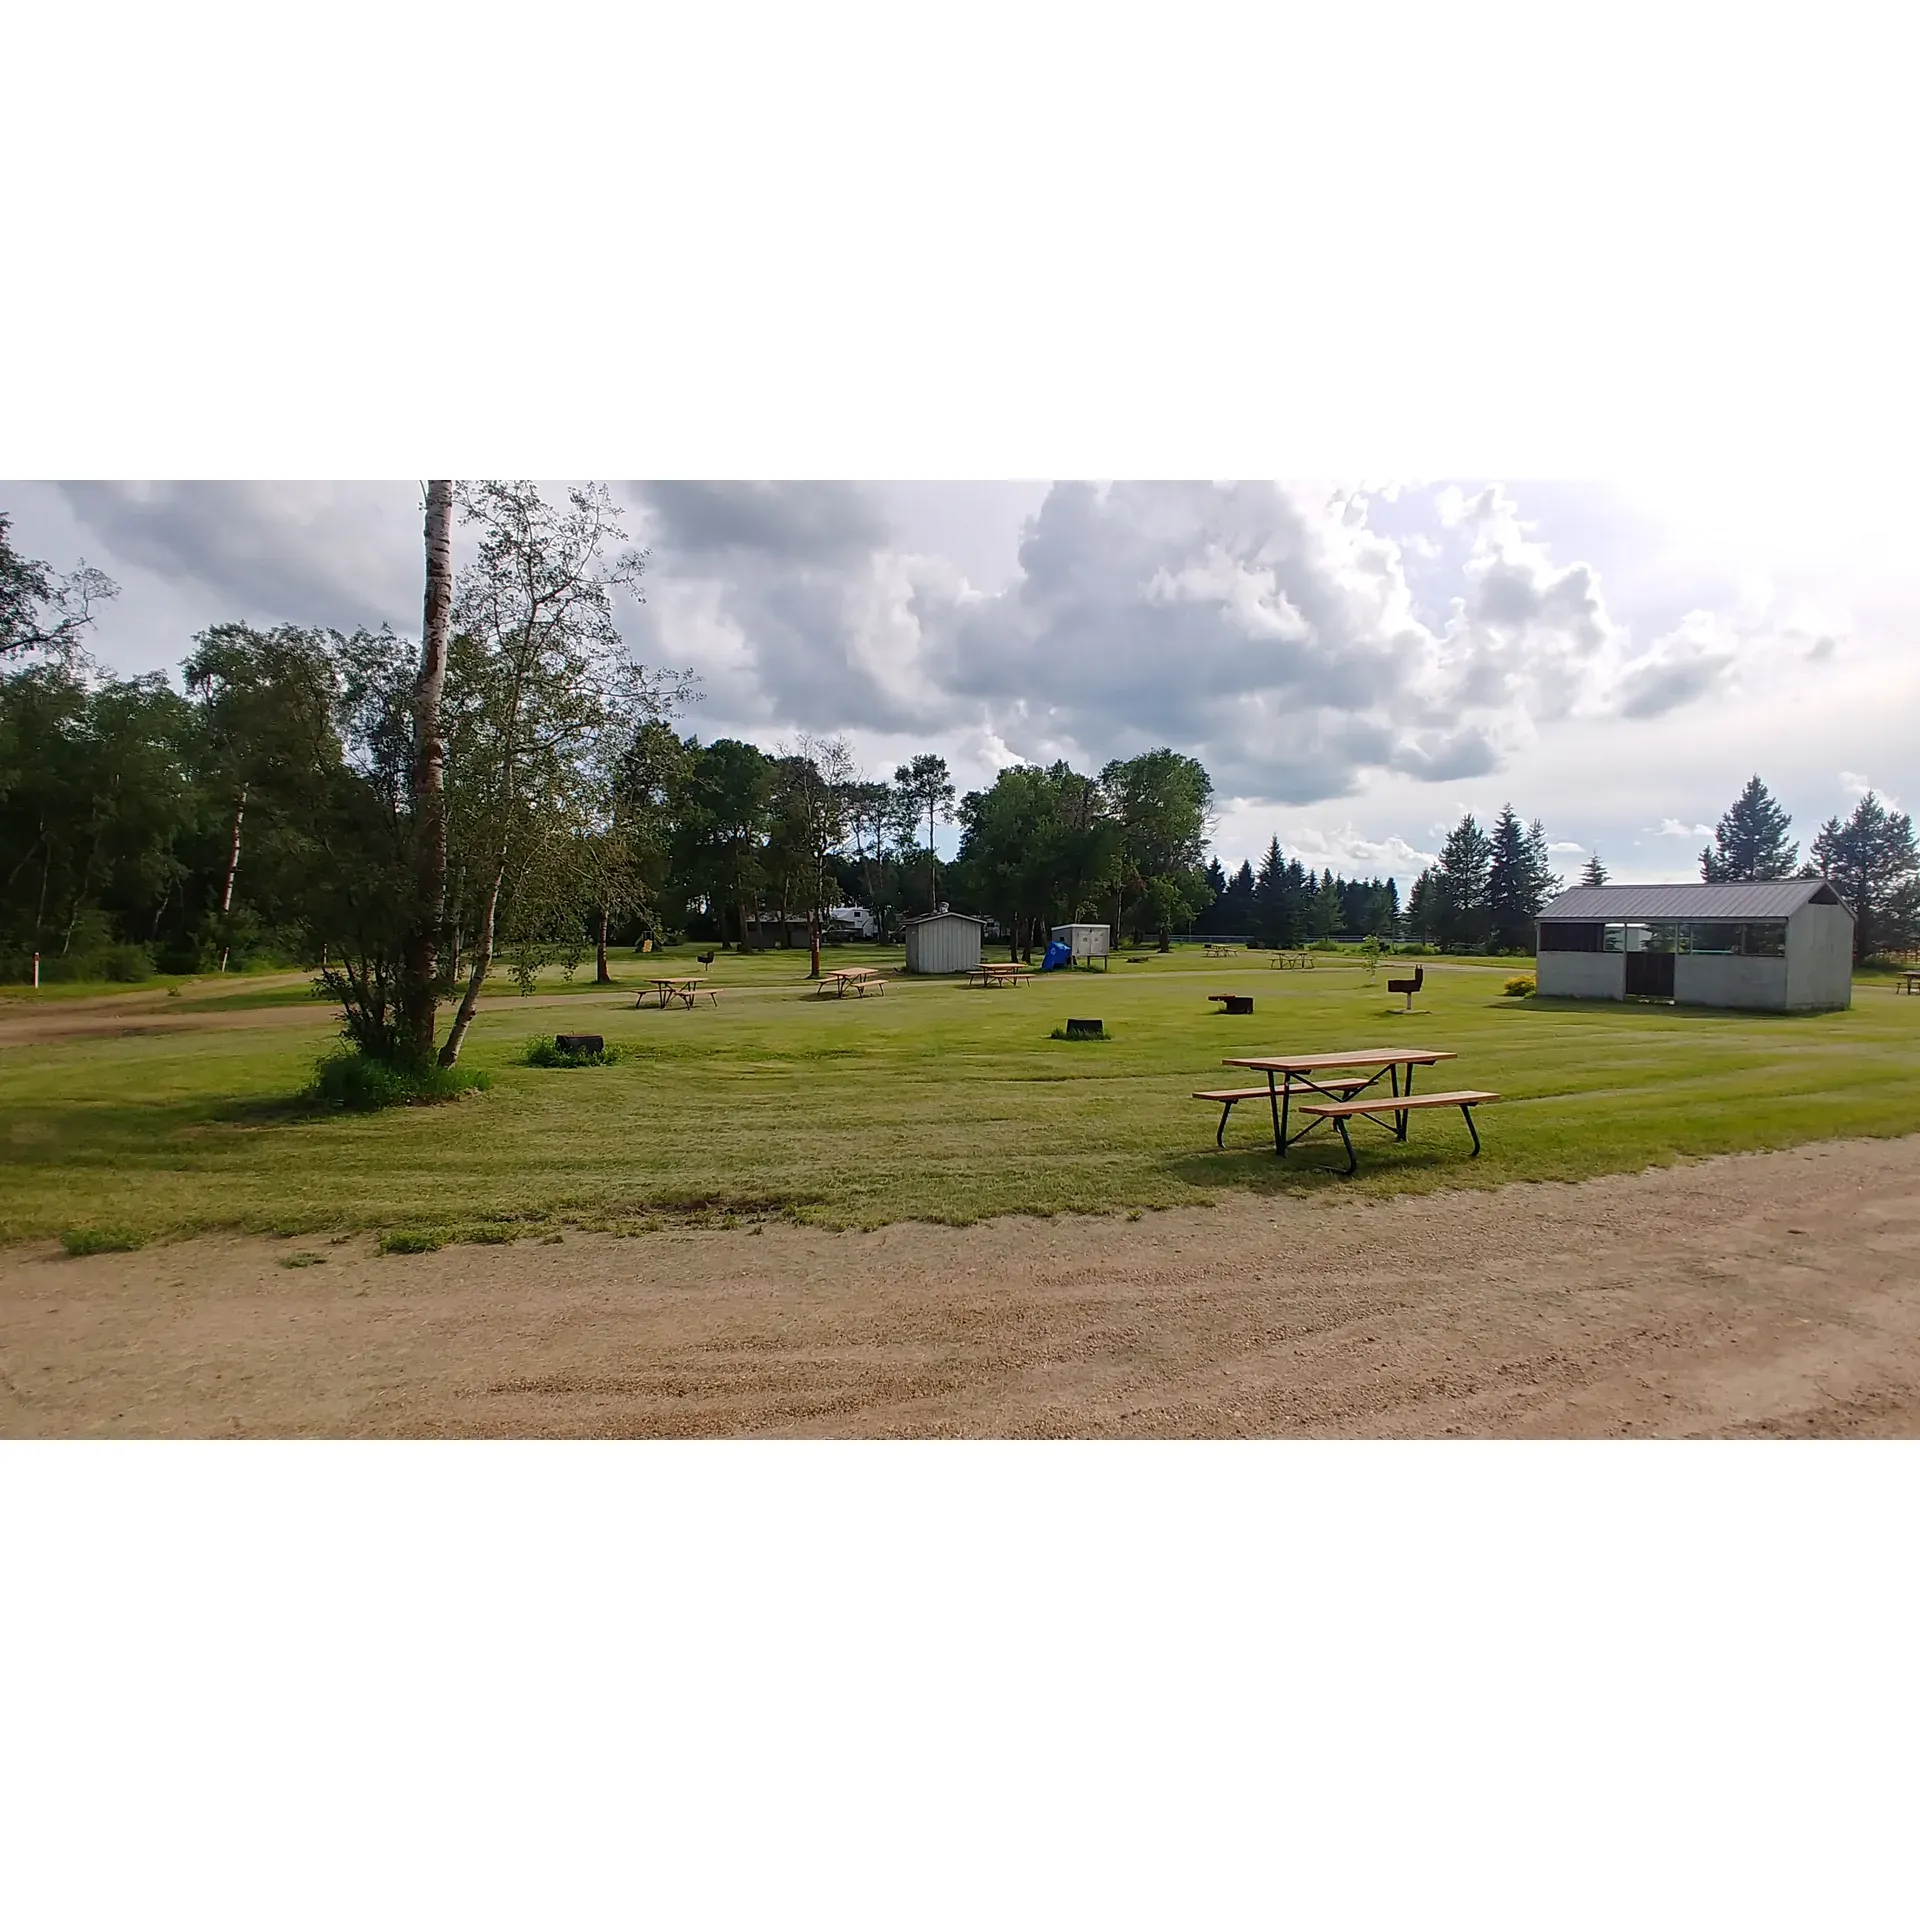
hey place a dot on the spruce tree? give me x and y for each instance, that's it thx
(1872, 862)
(1542, 883)
(1461, 910)
(1593, 874)
(1268, 907)
(1509, 912)
(1750, 843)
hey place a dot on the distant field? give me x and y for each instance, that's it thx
(936, 1102)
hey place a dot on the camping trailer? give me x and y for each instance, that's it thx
(1777, 945)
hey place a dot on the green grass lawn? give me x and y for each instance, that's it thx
(937, 1101)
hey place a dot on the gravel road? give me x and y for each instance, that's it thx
(1762, 1294)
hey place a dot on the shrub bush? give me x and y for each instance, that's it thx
(541, 1051)
(129, 963)
(80, 1240)
(1520, 985)
(412, 1240)
(357, 1084)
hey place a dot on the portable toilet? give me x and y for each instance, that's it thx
(943, 942)
(1085, 940)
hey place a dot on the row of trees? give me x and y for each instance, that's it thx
(1870, 858)
(1286, 904)
(405, 818)
(1486, 889)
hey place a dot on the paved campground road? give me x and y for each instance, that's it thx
(1765, 1294)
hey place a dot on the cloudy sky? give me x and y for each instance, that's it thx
(1356, 664)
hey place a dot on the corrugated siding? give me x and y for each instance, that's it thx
(943, 945)
(1735, 900)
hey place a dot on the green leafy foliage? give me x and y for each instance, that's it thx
(543, 1051)
(412, 1240)
(85, 1240)
(356, 1082)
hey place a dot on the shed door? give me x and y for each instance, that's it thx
(1650, 975)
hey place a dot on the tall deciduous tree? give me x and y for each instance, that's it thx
(925, 782)
(721, 824)
(265, 701)
(420, 989)
(1161, 802)
(1751, 843)
(537, 678)
(42, 612)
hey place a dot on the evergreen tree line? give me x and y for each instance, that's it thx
(1286, 904)
(1484, 892)
(1869, 858)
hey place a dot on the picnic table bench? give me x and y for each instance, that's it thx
(997, 973)
(1230, 1097)
(858, 978)
(686, 991)
(1304, 1073)
(1341, 1111)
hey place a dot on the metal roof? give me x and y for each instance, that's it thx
(944, 913)
(1726, 900)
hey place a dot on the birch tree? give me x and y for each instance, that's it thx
(420, 984)
(537, 679)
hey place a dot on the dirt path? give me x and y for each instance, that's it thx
(1768, 1294)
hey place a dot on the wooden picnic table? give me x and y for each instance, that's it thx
(683, 989)
(998, 973)
(1219, 950)
(1310, 1073)
(1909, 981)
(858, 978)
(1288, 958)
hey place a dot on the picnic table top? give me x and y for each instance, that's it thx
(678, 979)
(1361, 1057)
(851, 973)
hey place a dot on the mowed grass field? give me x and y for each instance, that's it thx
(938, 1101)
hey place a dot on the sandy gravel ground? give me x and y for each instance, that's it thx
(1766, 1294)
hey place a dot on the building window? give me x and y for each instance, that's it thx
(1753, 939)
(1570, 936)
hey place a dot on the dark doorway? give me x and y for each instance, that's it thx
(1650, 976)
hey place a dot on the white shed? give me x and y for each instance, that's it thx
(1780, 945)
(1085, 940)
(943, 942)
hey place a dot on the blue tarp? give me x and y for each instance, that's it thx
(1058, 954)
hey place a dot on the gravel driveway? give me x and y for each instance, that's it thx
(1764, 1294)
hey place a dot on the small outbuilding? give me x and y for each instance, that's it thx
(1085, 941)
(1778, 945)
(943, 941)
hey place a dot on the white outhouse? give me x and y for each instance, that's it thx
(1085, 940)
(943, 942)
(1780, 945)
